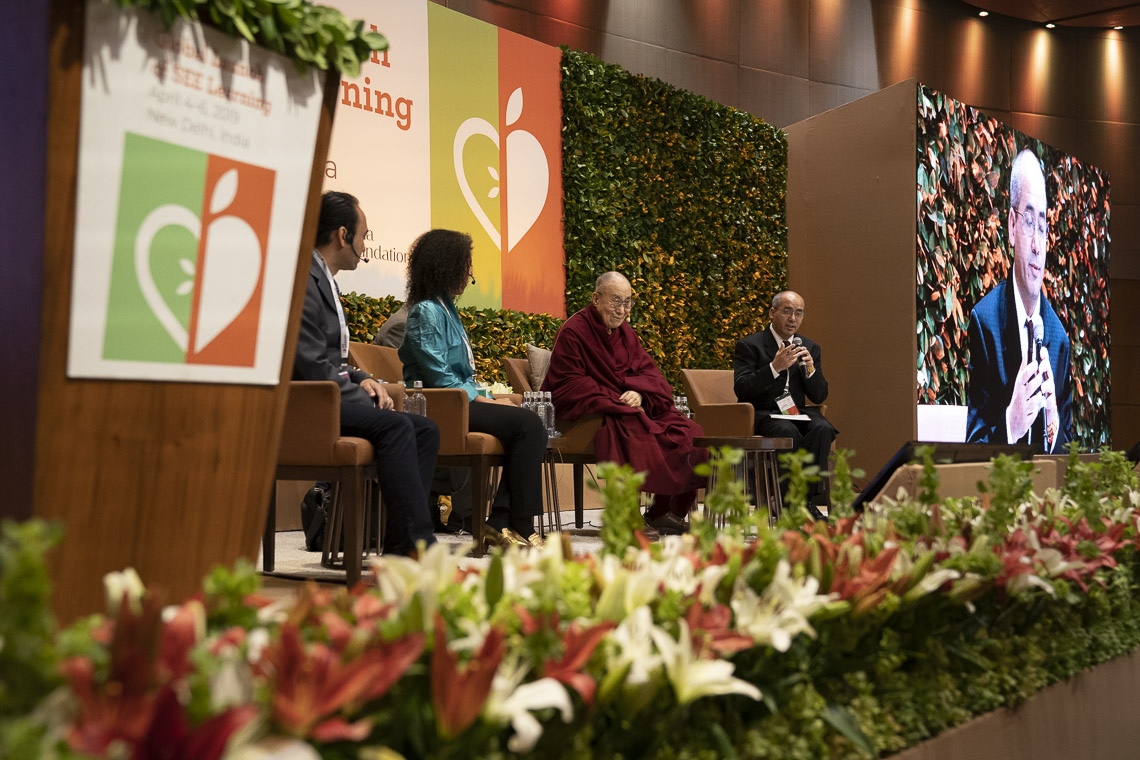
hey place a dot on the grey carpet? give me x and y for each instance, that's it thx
(292, 561)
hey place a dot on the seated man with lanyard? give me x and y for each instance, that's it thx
(777, 372)
(406, 445)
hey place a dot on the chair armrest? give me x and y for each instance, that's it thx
(726, 419)
(312, 422)
(578, 436)
(396, 393)
(514, 398)
(449, 409)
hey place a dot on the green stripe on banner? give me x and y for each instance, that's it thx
(464, 81)
(148, 308)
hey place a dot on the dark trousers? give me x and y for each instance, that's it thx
(815, 437)
(524, 440)
(406, 450)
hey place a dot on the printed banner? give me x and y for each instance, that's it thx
(195, 154)
(463, 131)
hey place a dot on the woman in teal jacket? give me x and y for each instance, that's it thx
(437, 352)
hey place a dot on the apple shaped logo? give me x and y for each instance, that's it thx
(527, 180)
(223, 280)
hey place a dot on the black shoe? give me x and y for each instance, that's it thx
(314, 516)
(816, 515)
(668, 524)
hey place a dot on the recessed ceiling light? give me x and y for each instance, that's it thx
(1118, 28)
(1050, 25)
(983, 14)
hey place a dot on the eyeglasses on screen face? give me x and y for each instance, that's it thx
(788, 311)
(620, 303)
(1031, 224)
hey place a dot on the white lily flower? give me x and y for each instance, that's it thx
(933, 580)
(273, 748)
(255, 644)
(126, 583)
(782, 612)
(511, 701)
(475, 633)
(1055, 563)
(521, 572)
(677, 572)
(1020, 583)
(693, 678)
(276, 612)
(634, 640)
(232, 685)
(399, 579)
(626, 589)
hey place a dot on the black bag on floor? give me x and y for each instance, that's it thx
(314, 517)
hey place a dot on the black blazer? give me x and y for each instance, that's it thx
(753, 381)
(318, 345)
(995, 358)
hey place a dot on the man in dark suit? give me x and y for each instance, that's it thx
(1020, 387)
(406, 445)
(778, 372)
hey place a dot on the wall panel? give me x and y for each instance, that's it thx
(977, 63)
(782, 99)
(841, 44)
(774, 37)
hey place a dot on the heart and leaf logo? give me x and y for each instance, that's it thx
(190, 257)
(523, 190)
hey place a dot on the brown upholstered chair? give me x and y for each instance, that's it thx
(712, 399)
(382, 362)
(713, 403)
(576, 444)
(458, 445)
(312, 448)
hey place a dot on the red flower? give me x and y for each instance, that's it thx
(458, 692)
(171, 738)
(122, 707)
(313, 682)
(578, 645)
(712, 633)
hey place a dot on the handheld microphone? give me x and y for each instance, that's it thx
(1050, 422)
(797, 341)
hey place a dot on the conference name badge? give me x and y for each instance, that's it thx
(786, 404)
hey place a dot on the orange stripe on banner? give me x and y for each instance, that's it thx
(236, 344)
(530, 164)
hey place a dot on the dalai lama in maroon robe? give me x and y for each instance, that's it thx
(598, 366)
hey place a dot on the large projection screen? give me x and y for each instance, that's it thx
(974, 242)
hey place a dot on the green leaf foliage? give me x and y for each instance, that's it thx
(683, 196)
(311, 35)
(494, 333)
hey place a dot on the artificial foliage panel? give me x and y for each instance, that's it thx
(494, 333)
(682, 195)
(963, 167)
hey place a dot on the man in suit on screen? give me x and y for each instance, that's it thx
(1020, 387)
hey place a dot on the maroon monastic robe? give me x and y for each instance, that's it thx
(590, 368)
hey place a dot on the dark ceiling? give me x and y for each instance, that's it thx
(1101, 13)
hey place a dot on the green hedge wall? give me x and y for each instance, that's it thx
(682, 195)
